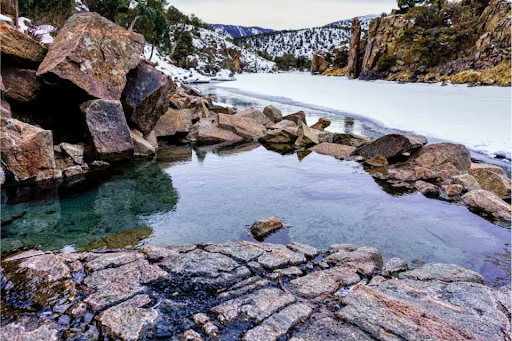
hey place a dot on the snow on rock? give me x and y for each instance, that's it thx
(235, 31)
(478, 117)
(5, 18)
(44, 32)
(223, 75)
(80, 6)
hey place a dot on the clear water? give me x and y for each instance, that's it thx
(188, 195)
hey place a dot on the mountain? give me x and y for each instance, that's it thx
(235, 31)
(305, 42)
(364, 20)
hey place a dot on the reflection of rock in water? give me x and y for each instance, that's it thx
(280, 148)
(129, 238)
(112, 207)
(503, 261)
(173, 154)
(394, 188)
(239, 148)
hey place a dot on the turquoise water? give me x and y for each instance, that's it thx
(189, 196)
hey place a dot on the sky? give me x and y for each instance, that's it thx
(281, 14)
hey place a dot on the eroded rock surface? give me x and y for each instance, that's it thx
(245, 291)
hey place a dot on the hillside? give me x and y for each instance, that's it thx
(365, 21)
(235, 31)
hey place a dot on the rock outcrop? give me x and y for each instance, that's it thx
(246, 291)
(94, 54)
(319, 64)
(353, 53)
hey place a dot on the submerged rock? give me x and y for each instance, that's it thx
(93, 53)
(264, 227)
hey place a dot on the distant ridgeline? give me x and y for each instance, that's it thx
(235, 31)
(462, 42)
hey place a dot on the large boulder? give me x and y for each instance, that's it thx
(488, 202)
(146, 96)
(27, 151)
(283, 132)
(319, 64)
(255, 115)
(274, 114)
(353, 66)
(437, 156)
(174, 122)
(20, 46)
(264, 227)
(391, 145)
(108, 129)
(247, 128)
(490, 179)
(95, 54)
(20, 84)
(207, 131)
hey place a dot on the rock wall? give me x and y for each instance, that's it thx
(353, 54)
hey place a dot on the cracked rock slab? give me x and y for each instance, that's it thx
(443, 272)
(324, 282)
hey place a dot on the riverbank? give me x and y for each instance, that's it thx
(478, 117)
(245, 291)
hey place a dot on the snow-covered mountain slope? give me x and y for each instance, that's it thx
(364, 20)
(305, 42)
(234, 31)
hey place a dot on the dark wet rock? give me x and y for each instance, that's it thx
(372, 75)
(20, 84)
(95, 54)
(377, 161)
(307, 137)
(146, 96)
(128, 320)
(273, 114)
(389, 146)
(174, 122)
(99, 165)
(264, 227)
(364, 259)
(490, 179)
(443, 272)
(256, 115)
(325, 282)
(489, 203)
(333, 149)
(394, 266)
(298, 117)
(27, 151)
(207, 131)
(247, 128)
(141, 147)
(107, 127)
(321, 124)
(20, 46)
(346, 139)
(279, 324)
(427, 189)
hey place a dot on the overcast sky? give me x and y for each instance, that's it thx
(281, 14)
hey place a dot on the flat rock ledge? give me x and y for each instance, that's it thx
(245, 291)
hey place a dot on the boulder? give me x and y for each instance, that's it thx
(20, 84)
(93, 53)
(488, 202)
(346, 139)
(333, 149)
(207, 131)
(286, 124)
(20, 46)
(306, 137)
(108, 130)
(5, 109)
(255, 115)
(467, 181)
(444, 273)
(427, 189)
(174, 122)
(378, 161)
(353, 66)
(141, 147)
(273, 114)
(394, 266)
(280, 136)
(453, 190)
(27, 151)
(319, 64)
(391, 145)
(476, 167)
(74, 151)
(436, 156)
(321, 124)
(146, 96)
(491, 180)
(249, 129)
(298, 117)
(266, 226)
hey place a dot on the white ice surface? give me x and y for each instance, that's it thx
(478, 117)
